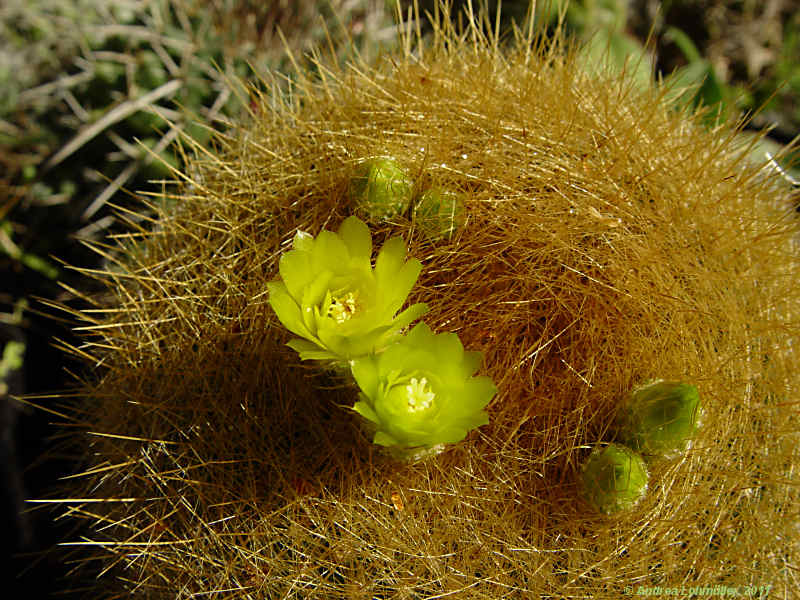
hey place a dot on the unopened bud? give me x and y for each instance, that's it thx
(439, 213)
(659, 419)
(614, 478)
(380, 188)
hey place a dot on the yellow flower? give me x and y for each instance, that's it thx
(420, 391)
(331, 296)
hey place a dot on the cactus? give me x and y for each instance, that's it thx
(608, 236)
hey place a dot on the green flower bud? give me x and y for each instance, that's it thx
(439, 213)
(331, 296)
(380, 188)
(660, 418)
(614, 478)
(420, 391)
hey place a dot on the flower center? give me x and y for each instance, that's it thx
(419, 394)
(341, 309)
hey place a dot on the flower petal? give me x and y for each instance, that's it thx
(356, 236)
(474, 396)
(390, 260)
(330, 253)
(365, 372)
(412, 312)
(470, 362)
(309, 350)
(315, 292)
(303, 241)
(451, 435)
(396, 358)
(473, 421)
(365, 410)
(396, 287)
(449, 347)
(296, 273)
(384, 439)
(331, 339)
(287, 310)
(420, 336)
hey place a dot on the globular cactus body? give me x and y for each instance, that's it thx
(606, 239)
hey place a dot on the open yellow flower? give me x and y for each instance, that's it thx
(331, 296)
(420, 392)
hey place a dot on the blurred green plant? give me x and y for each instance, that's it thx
(600, 27)
(111, 85)
(32, 261)
(13, 350)
(13, 353)
(695, 84)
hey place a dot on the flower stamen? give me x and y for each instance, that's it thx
(420, 396)
(342, 309)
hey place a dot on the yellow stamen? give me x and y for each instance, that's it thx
(420, 395)
(342, 309)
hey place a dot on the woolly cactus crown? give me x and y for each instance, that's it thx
(606, 240)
